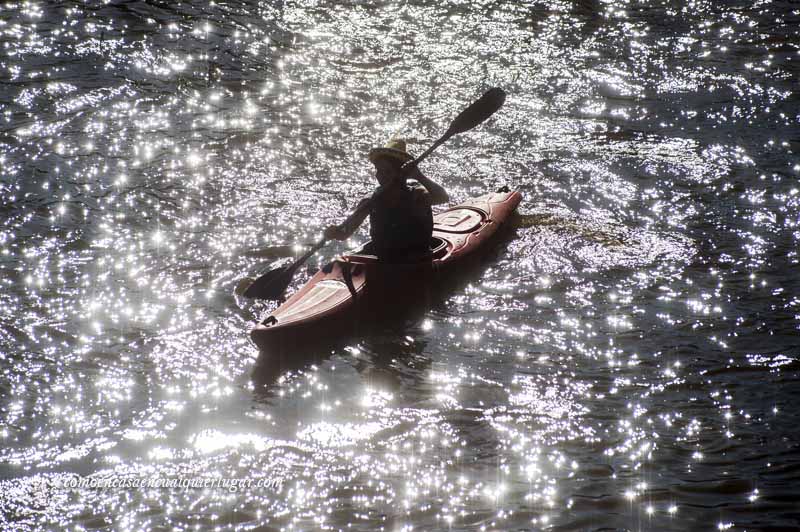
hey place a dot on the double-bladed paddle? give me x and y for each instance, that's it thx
(273, 284)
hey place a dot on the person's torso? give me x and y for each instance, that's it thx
(402, 221)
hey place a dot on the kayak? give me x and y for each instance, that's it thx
(358, 287)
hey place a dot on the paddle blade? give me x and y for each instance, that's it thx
(271, 285)
(478, 112)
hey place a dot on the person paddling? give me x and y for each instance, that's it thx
(400, 215)
(388, 221)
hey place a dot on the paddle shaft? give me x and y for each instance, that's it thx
(411, 164)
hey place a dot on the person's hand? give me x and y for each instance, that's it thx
(335, 232)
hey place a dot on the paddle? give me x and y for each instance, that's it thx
(273, 284)
(477, 113)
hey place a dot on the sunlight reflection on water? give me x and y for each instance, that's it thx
(627, 358)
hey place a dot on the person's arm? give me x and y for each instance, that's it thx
(349, 226)
(437, 193)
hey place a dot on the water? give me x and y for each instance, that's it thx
(628, 360)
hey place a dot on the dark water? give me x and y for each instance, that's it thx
(628, 360)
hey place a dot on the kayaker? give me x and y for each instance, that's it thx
(400, 216)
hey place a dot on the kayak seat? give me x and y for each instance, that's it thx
(438, 247)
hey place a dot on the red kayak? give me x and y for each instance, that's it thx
(358, 286)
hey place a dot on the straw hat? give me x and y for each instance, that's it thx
(395, 149)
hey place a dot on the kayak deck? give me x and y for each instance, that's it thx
(330, 300)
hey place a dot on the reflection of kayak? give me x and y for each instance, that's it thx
(358, 286)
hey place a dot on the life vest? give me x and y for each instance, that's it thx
(401, 223)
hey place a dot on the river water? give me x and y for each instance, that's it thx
(627, 359)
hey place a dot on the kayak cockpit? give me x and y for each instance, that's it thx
(364, 255)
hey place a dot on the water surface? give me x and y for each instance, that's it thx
(628, 359)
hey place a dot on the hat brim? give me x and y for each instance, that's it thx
(377, 153)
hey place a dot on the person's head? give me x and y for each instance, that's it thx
(388, 160)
